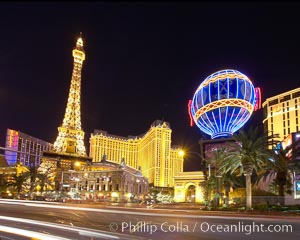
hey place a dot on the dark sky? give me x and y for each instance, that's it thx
(144, 61)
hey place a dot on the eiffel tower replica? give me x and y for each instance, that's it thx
(69, 152)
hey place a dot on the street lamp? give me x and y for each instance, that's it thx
(181, 153)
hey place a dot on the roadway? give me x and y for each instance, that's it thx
(64, 221)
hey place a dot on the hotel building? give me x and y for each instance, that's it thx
(150, 153)
(25, 149)
(281, 113)
(106, 180)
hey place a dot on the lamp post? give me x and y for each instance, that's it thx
(62, 180)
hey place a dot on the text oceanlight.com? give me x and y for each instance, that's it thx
(168, 227)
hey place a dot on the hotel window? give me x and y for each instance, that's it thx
(273, 102)
(296, 94)
(285, 98)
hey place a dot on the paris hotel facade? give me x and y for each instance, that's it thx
(151, 153)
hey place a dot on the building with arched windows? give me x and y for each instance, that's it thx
(106, 181)
(150, 153)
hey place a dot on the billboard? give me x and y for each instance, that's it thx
(212, 146)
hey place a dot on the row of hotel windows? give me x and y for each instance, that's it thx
(265, 109)
(123, 144)
(285, 98)
(286, 117)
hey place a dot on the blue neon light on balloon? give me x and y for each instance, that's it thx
(223, 103)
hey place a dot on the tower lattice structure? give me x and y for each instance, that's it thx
(70, 137)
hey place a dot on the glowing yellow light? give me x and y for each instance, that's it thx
(80, 42)
(181, 153)
(277, 108)
(114, 194)
(77, 164)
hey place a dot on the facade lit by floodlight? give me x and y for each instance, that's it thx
(223, 103)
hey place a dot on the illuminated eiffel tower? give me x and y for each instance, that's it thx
(69, 152)
(70, 139)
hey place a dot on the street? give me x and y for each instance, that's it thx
(77, 222)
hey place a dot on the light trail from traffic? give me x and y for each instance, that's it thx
(141, 213)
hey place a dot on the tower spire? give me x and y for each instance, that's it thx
(70, 137)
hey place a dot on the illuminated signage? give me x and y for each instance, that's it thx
(277, 108)
(257, 93)
(190, 113)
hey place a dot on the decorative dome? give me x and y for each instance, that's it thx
(223, 103)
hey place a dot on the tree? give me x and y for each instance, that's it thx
(218, 158)
(45, 178)
(18, 182)
(3, 183)
(281, 165)
(32, 175)
(46, 174)
(248, 153)
(219, 177)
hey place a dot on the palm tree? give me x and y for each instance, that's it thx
(218, 158)
(231, 180)
(44, 180)
(18, 182)
(281, 165)
(32, 175)
(3, 183)
(45, 175)
(219, 176)
(248, 153)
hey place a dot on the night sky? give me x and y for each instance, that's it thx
(144, 61)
